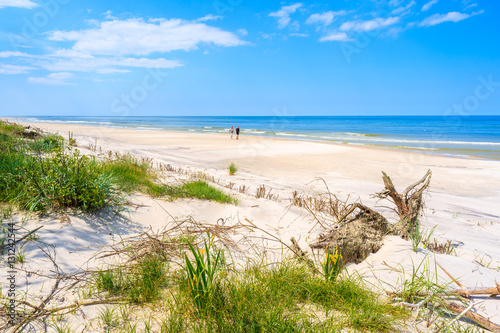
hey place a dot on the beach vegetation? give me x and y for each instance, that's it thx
(107, 317)
(419, 237)
(20, 256)
(61, 327)
(139, 283)
(232, 168)
(60, 180)
(288, 297)
(203, 272)
(201, 190)
(131, 174)
(39, 174)
(200, 289)
(332, 265)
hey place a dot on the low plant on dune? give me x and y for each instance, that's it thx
(201, 190)
(332, 265)
(57, 181)
(139, 283)
(203, 272)
(232, 168)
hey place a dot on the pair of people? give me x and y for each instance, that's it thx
(231, 131)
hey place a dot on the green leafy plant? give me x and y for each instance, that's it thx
(202, 273)
(332, 264)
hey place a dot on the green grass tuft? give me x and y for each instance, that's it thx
(287, 297)
(201, 190)
(232, 168)
(140, 283)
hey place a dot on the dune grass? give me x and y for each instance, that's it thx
(133, 174)
(199, 189)
(139, 283)
(283, 297)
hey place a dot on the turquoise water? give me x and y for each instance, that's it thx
(474, 136)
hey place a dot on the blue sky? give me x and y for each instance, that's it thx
(240, 57)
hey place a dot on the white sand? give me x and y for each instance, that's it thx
(463, 201)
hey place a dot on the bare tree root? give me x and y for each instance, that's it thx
(408, 204)
(356, 237)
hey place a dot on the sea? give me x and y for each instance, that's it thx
(470, 136)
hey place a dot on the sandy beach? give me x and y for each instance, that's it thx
(462, 202)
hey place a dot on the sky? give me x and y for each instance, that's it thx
(249, 58)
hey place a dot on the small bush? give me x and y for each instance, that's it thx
(232, 167)
(61, 180)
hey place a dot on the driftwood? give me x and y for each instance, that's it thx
(484, 322)
(408, 204)
(460, 309)
(464, 292)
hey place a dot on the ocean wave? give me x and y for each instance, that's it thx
(292, 134)
(361, 134)
(69, 121)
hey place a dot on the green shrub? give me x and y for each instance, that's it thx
(60, 180)
(232, 167)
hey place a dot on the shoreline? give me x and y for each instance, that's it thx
(409, 150)
(299, 161)
(432, 149)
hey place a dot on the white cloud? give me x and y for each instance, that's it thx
(209, 17)
(64, 60)
(13, 69)
(242, 32)
(109, 15)
(449, 17)
(18, 3)
(59, 79)
(136, 37)
(284, 14)
(325, 18)
(469, 4)
(8, 54)
(336, 36)
(404, 10)
(103, 64)
(296, 34)
(368, 25)
(428, 5)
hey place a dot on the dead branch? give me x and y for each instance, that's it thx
(484, 322)
(408, 204)
(302, 255)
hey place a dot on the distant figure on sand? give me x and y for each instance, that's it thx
(237, 132)
(231, 131)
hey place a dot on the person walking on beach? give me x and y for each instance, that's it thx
(231, 131)
(237, 132)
